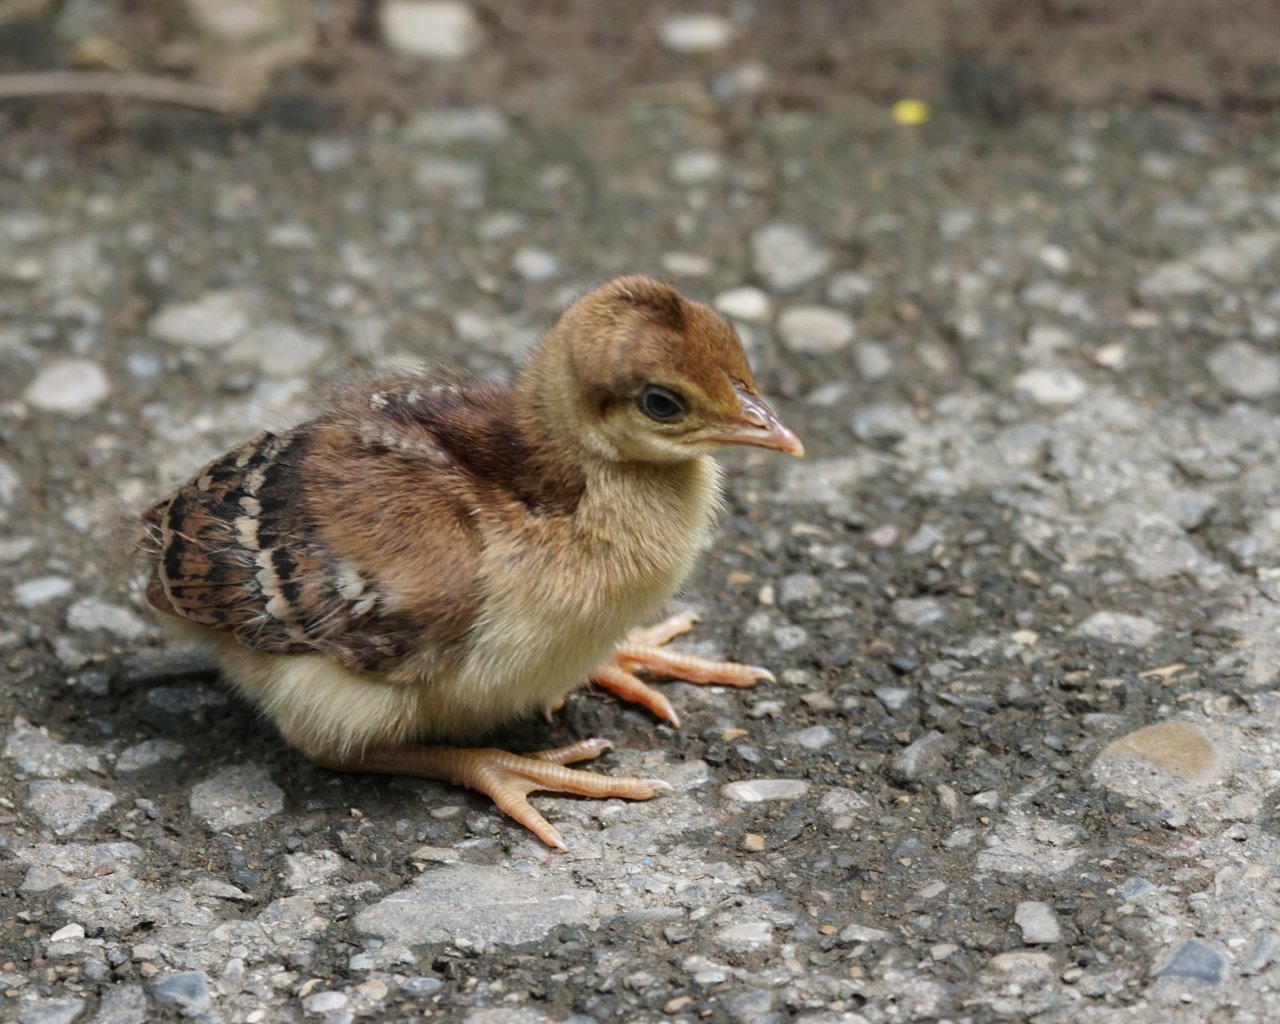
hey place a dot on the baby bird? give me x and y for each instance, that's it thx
(434, 556)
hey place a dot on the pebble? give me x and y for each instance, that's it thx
(696, 167)
(1195, 961)
(45, 758)
(787, 257)
(236, 796)
(123, 1004)
(421, 987)
(873, 360)
(442, 174)
(51, 1011)
(745, 937)
(215, 319)
(1050, 385)
(10, 485)
(695, 33)
(1119, 629)
(448, 125)
(884, 422)
(70, 386)
(854, 934)
(147, 754)
(1245, 370)
(922, 758)
(479, 905)
(814, 738)
(848, 288)
(535, 264)
(325, 1002)
(41, 590)
(178, 707)
(754, 791)
(1038, 923)
(432, 29)
(67, 807)
(894, 698)
(1173, 280)
(815, 330)
(91, 613)
(279, 350)
(187, 991)
(919, 611)
(746, 303)
(799, 589)
(1180, 752)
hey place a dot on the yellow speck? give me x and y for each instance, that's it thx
(911, 112)
(752, 842)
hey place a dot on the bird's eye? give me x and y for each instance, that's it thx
(662, 404)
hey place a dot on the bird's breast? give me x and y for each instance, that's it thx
(558, 597)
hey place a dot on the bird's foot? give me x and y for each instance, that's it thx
(507, 778)
(643, 650)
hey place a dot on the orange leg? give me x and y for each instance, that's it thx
(506, 778)
(642, 650)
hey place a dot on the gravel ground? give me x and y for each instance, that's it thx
(1023, 598)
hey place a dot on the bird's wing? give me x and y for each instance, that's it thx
(254, 546)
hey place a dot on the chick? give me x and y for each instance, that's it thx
(434, 556)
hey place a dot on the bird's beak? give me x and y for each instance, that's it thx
(757, 425)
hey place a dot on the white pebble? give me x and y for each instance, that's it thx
(41, 590)
(815, 330)
(214, 319)
(750, 304)
(695, 33)
(71, 386)
(535, 264)
(754, 791)
(433, 29)
(1050, 386)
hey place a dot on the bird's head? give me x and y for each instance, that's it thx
(649, 376)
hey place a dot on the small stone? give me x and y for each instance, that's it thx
(919, 611)
(691, 264)
(1024, 968)
(753, 842)
(1180, 751)
(696, 167)
(1050, 386)
(924, 757)
(1119, 629)
(855, 934)
(187, 991)
(815, 330)
(746, 937)
(325, 1002)
(814, 738)
(45, 758)
(41, 590)
(447, 125)
(754, 791)
(1173, 280)
(749, 304)
(1244, 370)
(90, 613)
(178, 707)
(799, 589)
(147, 754)
(1038, 922)
(787, 257)
(1195, 961)
(433, 29)
(236, 796)
(479, 905)
(51, 1011)
(443, 174)
(279, 350)
(894, 698)
(873, 360)
(215, 319)
(123, 1004)
(884, 422)
(421, 987)
(67, 807)
(534, 264)
(849, 288)
(71, 931)
(695, 33)
(70, 386)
